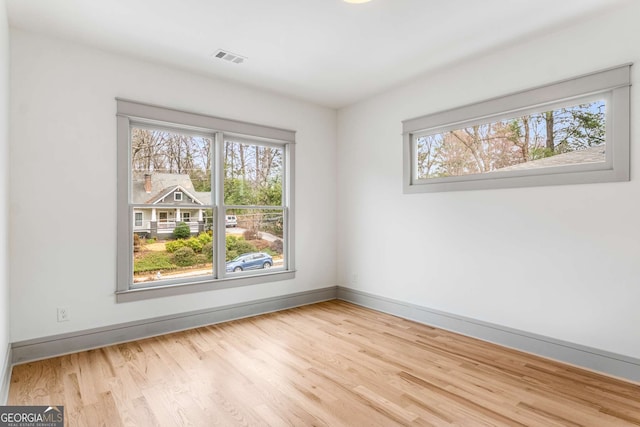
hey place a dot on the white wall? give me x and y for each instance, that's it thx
(4, 183)
(63, 152)
(562, 261)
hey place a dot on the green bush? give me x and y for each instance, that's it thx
(205, 238)
(207, 251)
(237, 246)
(182, 231)
(184, 257)
(195, 244)
(174, 245)
(153, 261)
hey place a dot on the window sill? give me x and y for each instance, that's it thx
(209, 285)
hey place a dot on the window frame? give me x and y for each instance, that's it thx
(135, 114)
(175, 196)
(612, 84)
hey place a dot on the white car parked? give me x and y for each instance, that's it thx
(231, 221)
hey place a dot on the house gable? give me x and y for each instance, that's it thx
(152, 188)
(170, 196)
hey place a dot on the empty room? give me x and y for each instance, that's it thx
(319, 212)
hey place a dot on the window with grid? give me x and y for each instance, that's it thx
(185, 174)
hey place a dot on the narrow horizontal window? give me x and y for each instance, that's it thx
(570, 132)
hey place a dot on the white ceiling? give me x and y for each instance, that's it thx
(324, 51)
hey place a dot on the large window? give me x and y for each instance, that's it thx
(571, 132)
(182, 177)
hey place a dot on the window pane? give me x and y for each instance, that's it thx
(170, 167)
(254, 239)
(169, 256)
(171, 192)
(565, 136)
(253, 174)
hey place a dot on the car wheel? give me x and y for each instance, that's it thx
(237, 269)
(266, 265)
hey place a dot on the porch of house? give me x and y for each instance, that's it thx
(153, 223)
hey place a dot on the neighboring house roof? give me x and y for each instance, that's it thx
(163, 184)
(587, 155)
(162, 194)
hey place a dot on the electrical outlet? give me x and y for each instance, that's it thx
(63, 314)
(354, 278)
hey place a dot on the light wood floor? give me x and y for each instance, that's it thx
(328, 364)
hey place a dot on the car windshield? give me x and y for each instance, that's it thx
(238, 258)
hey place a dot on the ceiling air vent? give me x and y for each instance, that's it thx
(229, 56)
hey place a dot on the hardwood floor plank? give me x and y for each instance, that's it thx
(327, 364)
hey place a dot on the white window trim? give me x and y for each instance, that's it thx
(176, 198)
(134, 113)
(135, 220)
(612, 84)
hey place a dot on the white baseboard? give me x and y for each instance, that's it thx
(5, 376)
(57, 345)
(612, 364)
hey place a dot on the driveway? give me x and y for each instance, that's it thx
(240, 231)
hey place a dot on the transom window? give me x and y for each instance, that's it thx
(186, 174)
(571, 132)
(562, 136)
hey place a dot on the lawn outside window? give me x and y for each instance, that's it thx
(571, 132)
(179, 175)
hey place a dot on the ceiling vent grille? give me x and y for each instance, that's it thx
(229, 56)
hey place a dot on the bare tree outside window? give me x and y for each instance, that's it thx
(529, 141)
(252, 174)
(174, 153)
